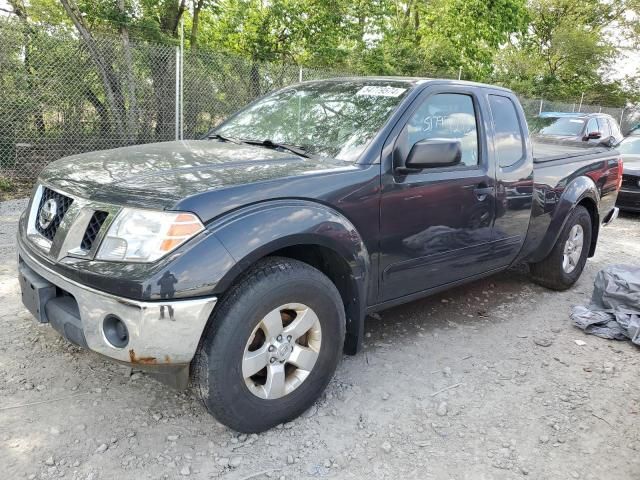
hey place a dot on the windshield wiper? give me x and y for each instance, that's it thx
(217, 136)
(300, 151)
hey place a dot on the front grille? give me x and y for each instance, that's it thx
(95, 224)
(630, 182)
(62, 204)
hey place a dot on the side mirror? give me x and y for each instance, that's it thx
(435, 152)
(593, 136)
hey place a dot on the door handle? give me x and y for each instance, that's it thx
(482, 192)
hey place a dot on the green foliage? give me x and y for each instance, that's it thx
(557, 49)
(6, 185)
(568, 49)
(79, 75)
(551, 48)
(373, 37)
(469, 32)
(306, 32)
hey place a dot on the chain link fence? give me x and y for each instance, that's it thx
(61, 96)
(57, 100)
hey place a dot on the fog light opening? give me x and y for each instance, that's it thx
(115, 331)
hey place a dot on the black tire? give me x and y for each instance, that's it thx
(550, 272)
(217, 367)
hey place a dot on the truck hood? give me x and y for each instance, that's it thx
(159, 175)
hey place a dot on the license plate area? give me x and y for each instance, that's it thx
(36, 292)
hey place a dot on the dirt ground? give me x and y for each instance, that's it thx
(454, 387)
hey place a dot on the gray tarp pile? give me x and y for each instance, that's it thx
(614, 311)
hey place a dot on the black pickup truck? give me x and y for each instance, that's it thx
(247, 262)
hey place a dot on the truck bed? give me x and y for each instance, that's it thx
(556, 167)
(548, 151)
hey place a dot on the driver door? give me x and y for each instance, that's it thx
(436, 223)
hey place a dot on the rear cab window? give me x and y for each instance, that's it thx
(508, 140)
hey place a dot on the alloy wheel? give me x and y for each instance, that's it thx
(282, 351)
(573, 248)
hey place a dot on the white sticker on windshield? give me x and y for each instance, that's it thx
(575, 121)
(374, 91)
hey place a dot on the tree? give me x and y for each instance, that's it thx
(550, 48)
(110, 79)
(440, 36)
(566, 50)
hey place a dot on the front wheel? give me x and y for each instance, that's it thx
(272, 346)
(564, 265)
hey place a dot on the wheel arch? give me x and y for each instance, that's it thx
(311, 233)
(582, 191)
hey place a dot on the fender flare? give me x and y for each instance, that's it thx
(576, 192)
(262, 229)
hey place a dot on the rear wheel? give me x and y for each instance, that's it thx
(272, 346)
(564, 265)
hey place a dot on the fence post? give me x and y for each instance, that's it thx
(300, 74)
(581, 100)
(541, 102)
(182, 78)
(177, 92)
(621, 118)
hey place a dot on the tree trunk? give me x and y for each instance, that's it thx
(20, 11)
(191, 111)
(171, 19)
(132, 111)
(102, 111)
(254, 80)
(113, 91)
(163, 74)
(195, 23)
(164, 88)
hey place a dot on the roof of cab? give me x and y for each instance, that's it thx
(413, 81)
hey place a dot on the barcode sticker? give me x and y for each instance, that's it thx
(374, 91)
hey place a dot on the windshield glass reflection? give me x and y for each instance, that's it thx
(327, 119)
(561, 126)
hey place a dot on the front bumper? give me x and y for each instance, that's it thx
(160, 333)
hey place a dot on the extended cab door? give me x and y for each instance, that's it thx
(436, 223)
(513, 158)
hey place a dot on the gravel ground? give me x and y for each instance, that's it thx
(482, 382)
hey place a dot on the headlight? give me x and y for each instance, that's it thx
(147, 235)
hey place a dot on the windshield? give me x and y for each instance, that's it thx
(561, 126)
(629, 146)
(330, 119)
